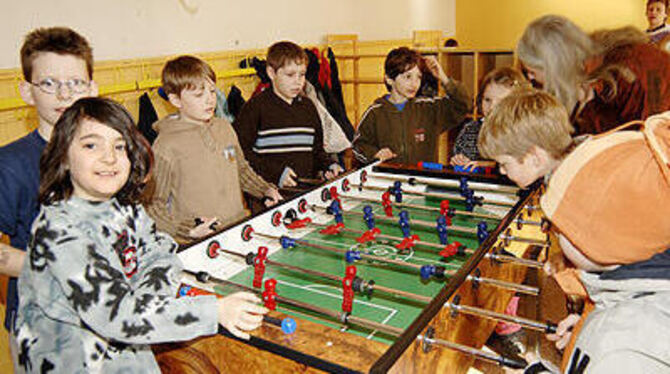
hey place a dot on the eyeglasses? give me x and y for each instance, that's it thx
(51, 86)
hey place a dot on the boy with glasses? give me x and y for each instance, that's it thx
(57, 66)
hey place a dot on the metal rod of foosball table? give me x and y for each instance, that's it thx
(311, 181)
(286, 266)
(436, 195)
(476, 353)
(502, 258)
(499, 257)
(343, 251)
(472, 278)
(298, 269)
(515, 260)
(421, 207)
(391, 219)
(391, 237)
(449, 183)
(549, 328)
(527, 222)
(507, 237)
(521, 288)
(205, 277)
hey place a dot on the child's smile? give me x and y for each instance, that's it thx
(97, 161)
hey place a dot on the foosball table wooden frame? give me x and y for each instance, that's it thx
(440, 339)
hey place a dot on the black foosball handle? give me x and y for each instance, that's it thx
(513, 363)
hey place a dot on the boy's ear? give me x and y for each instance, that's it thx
(538, 155)
(271, 72)
(388, 80)
(175, 100)
(26, 93)
(94, 89)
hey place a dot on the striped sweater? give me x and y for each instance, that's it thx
(275, 134)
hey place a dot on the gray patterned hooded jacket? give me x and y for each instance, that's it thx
(98, 287)
(629, 329)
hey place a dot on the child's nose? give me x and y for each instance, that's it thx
(64, 92)
(109, 156)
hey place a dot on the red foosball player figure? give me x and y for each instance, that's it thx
(386, 203)
(270, 295)
(259, 266)
(335, 195)
(445, 211)
(347, 289)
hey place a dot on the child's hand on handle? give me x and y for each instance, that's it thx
(272, 197)
(204, 226)
(459, 160)
(240, 312)
(287, 178)
(436, 69)
(385, 154)
(333, 171)
(472, 165)
(564, 331)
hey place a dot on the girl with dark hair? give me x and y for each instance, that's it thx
(100, 282)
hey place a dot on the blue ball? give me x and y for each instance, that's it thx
(288, 325)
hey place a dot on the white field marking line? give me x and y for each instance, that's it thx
(390, 252)
(388, 318)
(391, 312)
(314, 288)
(356, 246)
(328, 242)
(412, 254)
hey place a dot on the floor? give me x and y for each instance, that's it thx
(5, 358)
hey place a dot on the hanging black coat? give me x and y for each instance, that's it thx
(147, 117)
(335, 109)
(335, 78)
(235, 101)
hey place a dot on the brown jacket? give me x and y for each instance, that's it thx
(412, 133)
(199, 172)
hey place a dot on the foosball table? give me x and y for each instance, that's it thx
(385, 269)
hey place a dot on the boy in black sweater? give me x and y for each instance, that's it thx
(279, 129)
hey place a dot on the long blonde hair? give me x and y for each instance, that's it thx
(558, 48)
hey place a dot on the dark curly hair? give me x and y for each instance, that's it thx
(55, 182)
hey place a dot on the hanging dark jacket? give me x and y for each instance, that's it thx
(335, 109)
(235, 101)
(335, 78)
(146, 118)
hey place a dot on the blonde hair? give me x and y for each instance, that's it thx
(558, 48)
(505, 76)
(185, 72)
(526, 118)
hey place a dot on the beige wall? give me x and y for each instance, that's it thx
(500, 23)
(120, 29)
